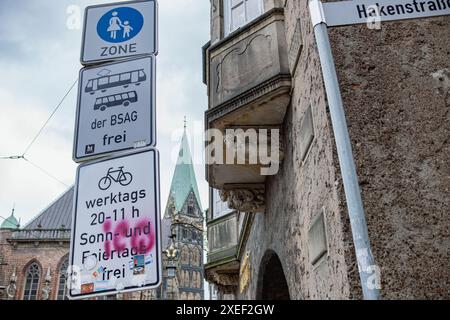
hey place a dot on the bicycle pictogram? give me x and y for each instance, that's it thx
(118, 175)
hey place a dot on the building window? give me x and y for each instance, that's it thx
(185, 255)
(200, 257)
(219, 207)
(62, 287)
(306, 137)
(32, 282)
(190, 210)
(239, 12)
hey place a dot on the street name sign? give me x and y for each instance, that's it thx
(115, 240)
(119, 30)
(361, 11)
(116, 108)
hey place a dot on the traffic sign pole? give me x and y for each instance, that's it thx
(352, 191)
(116, 237)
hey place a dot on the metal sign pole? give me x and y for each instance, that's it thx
(350, 179)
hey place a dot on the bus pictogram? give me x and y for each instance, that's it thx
(124, 99)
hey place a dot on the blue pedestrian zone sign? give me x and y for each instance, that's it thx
(115, 31)
(120, 24)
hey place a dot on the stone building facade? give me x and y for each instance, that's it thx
(288, 235)
(34, 259)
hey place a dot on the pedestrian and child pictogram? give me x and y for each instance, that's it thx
(120, 24)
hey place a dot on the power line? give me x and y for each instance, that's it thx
(49, 118)
(45, 171)
(11, 158)
(16, 157)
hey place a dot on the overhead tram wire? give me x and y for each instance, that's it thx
(22, 157)
(45, 171)
(49, 118)
(11, 158)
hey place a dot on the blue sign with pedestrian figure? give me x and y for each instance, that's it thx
(120, 24)
(119, 30)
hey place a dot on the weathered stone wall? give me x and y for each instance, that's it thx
(395, 86)
(396, 91)
(303, 189)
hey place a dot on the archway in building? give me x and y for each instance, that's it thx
(272, 283)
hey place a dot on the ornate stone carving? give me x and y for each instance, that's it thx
(245, 199)
(228, 74)
(227, 282)
(248, 58)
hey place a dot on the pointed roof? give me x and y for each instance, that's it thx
(58, 215)
(183, 181)
(10, 222)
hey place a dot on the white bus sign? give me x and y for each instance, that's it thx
(116, 108)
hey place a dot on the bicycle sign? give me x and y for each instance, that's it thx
(119, 176)
(115, 240)
(116, 108)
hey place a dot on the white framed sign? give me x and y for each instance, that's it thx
(342, 13)
(115, 109)
(115, 240)
(119, 30)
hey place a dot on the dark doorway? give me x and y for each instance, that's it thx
(272, 283)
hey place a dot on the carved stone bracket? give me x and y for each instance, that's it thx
(227, 283)
(244, 198)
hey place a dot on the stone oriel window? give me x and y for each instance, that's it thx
(32, 275)
(239, 12)
(62, 287)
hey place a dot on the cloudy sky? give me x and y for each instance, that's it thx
(39, 61)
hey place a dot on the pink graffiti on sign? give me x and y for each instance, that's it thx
(141, 236)
(144, 240)
(106, 229)
(120, 235)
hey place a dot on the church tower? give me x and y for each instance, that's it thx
(183, 218)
